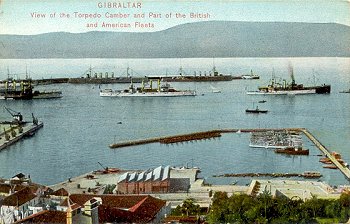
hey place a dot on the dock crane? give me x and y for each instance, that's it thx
(17, 116)
(105, 168)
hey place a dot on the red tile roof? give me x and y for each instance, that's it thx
(19, 198)
(143, 212)
(5, 188)
(124, 208)
(60, 192)
(119, 201)
(44, 217)
(73, 205)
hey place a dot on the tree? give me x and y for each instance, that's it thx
(333, 209)
(265, 198)
(344, 201)
(187, 208)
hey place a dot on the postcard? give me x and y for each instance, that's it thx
(169, 111)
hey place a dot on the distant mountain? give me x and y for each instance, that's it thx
(201, 39)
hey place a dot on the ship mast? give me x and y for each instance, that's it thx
(90, 72)
(26, 72)
(127, 71)
(8, 73)
(214, 68)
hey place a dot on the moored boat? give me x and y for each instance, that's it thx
(284, 88)
(256, 111)
(23, 90)
(212, 76)
(94, 77)
(109, 93)
(330, 167)
(293, 151)
(311, 174)
(251, 76)
(345, 91)
(164, 90)
(47, 94)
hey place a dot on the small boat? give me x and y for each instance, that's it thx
(345, 91)
(109, 92)
(250, 76)
(262, 101)
(328, 161)
(311, 174)
(330, 167)
(47, 94)
(215, 90)
(336, 155)
(256, 111)
(293, 151)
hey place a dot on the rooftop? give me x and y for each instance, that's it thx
(300, 189)
(19, 198)
(60, 192)
(121, 208)
(44, 217)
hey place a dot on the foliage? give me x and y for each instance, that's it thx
(187, 208)
(241, 208)
(109, 189)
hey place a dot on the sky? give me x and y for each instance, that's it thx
(16, 16)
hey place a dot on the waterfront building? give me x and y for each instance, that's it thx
(159, 180)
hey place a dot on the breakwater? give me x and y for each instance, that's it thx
(170, 139)
(192, 136)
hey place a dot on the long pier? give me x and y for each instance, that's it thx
(193, 136)
(345, 170)
(217, 133)
(169, 139)
(27, 131)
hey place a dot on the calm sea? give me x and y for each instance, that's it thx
(79, 127)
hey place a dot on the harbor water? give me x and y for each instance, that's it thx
(79, 126)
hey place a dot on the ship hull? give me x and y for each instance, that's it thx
(106, 80)
(325, 89)
(152, 94)
(199, 78)
(256, 111)
(47, 95)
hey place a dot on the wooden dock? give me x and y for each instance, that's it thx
(28, 129)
